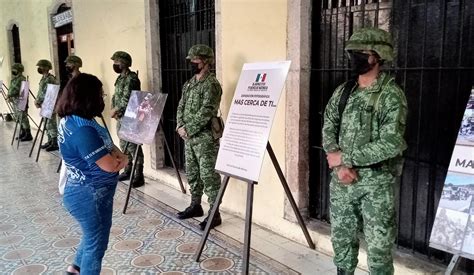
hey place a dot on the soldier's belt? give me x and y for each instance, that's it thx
(376, 166)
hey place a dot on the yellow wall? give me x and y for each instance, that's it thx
(32, 20)
(98, 33)
(255, 31)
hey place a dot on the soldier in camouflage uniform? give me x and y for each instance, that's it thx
(363, 146)
(13, 97)
(125, 83)
(73, 63)
(198, 105)
(44, 66)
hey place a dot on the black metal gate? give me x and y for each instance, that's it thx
(434, 42)
(183, 23)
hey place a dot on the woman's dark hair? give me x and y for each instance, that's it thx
(82, 97)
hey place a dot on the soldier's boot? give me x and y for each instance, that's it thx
(46, 145)
(215, 222)
(341, 271)
(125, 175)
(27, 136)
(138, 180)
(53, 145)
(194, 210)
(22, 134)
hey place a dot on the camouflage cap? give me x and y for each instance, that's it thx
(201, 51)
(74, 60)
(45, 64)
(18, 67)
(372, 39)
(122, 57)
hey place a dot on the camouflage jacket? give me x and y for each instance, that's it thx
(43, 85)
(124, 85)
(15, 86)
(198, 104)
(367, 137)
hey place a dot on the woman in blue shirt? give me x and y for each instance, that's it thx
(92, 163)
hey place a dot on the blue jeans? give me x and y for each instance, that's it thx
(92, 207)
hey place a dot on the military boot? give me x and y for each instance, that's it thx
(53, 145)
(138, 180)
(22, 134)
(215, 222)
(125, 175)
(27, 136)
(194, 210)
(46, 145)
(341, 271)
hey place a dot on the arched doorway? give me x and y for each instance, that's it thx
(15, 34)
(62, 22)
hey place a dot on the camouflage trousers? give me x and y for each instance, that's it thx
(21, 115)
(130, 151)
(201, 154)
(366, 206)
(52, 127)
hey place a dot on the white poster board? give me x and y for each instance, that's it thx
(24, 93)
(453, 228)
(142, 116)
(250, 119)
(47, 107)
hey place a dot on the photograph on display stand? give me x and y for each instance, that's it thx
(23, 99)
(47, 108)
(466, 133)
(142, 116)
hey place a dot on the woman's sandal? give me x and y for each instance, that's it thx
(76, 268)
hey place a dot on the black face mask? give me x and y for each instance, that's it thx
(15, 73)
(69, 69)
(40, 71)
(117, 68)
(360, 62)
(195, 68)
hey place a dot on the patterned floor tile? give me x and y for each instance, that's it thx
(38, 236)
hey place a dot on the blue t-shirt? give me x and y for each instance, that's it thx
(82, 142)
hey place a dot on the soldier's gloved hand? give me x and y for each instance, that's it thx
(334, 159)
(346, 175)
(182, 133)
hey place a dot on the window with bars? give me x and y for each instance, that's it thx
(434, 65)
(182, 23)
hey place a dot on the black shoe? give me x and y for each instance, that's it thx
(124, 176)
(215, 222)
(195, 210)
(22, 135)
(46, 145)
(27, 137)
(341, 271)
(52, 147)
(138, 181)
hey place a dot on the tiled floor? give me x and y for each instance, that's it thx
(38, 235)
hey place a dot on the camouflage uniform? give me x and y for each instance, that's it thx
(369, 139)
(199, 103)
(51, 126)
(14, 95)
(123, 89)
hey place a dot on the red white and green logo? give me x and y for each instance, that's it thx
(261, 77)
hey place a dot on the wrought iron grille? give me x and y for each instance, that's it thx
(183, 23)
(434, 65)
